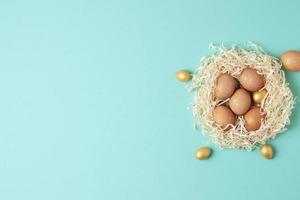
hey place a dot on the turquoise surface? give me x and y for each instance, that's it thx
(90, 108)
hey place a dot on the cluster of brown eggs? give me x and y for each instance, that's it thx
(245, 96)
(228, 87)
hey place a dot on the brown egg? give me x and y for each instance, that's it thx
(226, 85)
(223, 116)
(253, 119)
(240, 102)
(251, 80)
(291, 60)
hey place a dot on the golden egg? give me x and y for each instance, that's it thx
(226, 85)
(251, 80)
(240, 102)
(259, 96)
(203, 153)
(223, 116)
(291, 60)
(266, 151)
(253, 119)
(183, 75)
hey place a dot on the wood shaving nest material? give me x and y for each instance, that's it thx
(277, 105)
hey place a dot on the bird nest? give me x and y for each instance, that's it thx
(277, 105)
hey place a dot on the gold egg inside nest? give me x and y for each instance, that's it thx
(259, 96)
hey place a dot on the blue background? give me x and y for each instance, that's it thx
(90, 108)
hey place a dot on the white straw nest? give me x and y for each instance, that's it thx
(277, 105)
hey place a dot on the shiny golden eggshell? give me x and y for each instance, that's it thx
(253, 119)
(251, 80)
(183, 75)
(226, 85)
(223, 116)
(267, 151)
(291, 60)
(259, 96)
(203, 153)
(240, 102)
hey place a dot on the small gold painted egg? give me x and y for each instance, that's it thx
(203, 153)
(267, 151)
(259, 96)
(183, 75)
